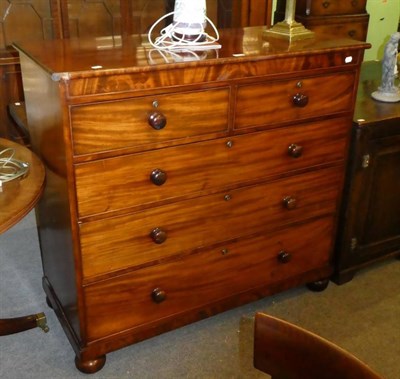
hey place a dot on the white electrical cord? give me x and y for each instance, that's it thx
(11, 168)
(169, 39)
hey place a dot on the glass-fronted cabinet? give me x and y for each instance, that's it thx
(49, 19)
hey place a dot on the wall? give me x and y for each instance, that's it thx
(384, 19)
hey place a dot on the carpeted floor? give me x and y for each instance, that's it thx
(362, 316)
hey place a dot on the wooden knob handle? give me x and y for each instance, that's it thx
(295, 151)
(158, 295)
(284, 256)
(158, 177)
(290, 202)
(158, 235)
(157, 120)
(300, 100)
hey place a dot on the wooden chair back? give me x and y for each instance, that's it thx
(286, 351)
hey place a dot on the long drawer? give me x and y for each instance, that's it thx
(157, 292)
(117, 183)
(117, 243)
(277, 102)
(147, 120)
(329, 7)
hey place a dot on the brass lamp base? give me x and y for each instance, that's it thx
(293, 31)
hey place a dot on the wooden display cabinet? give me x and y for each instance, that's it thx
(369, 229)
(36, 20)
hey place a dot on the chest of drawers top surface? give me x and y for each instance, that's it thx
(94, 58)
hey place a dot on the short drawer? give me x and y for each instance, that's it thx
(272, 103)
(356, 30)
(147, 120)
(329, 7)
(117, 183)
(146, 237)
(148, 295)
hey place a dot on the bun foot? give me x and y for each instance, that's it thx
(318, 286)
(90, 366)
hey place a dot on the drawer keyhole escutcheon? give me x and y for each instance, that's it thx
(227, 197)
(284, 257)
(155, 104)
(299, 84)
(295, 151)
(229, 144)
(158, 177)
(158, 235)
(300, 100)
(157, 120)
(158, 295)
(224, 251)
(290, 202)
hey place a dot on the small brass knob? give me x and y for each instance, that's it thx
(300, 100)
(158, 295)
(158, 235)
(229, 144)
(295, 151)
(284, 257)
(352, 33)
(157, 120)
(158, 177)
(290, 202)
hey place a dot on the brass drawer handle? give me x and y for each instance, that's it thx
(157, 120)
(158, 235)
(158, 177)
(300, 100)
(158, 295)
(284, 257)
(290, 202)
(295, 151)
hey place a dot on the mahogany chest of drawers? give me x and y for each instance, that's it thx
(178, 189)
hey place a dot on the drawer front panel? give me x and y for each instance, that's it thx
(283, 101)
(120, 124)
(117, 243)
(355, 30)
(199, 279)
(123, 182)
(330, 7)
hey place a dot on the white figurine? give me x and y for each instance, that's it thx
(388, 91)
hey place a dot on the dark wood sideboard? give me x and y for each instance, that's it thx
(176, 190)
(370, 221)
